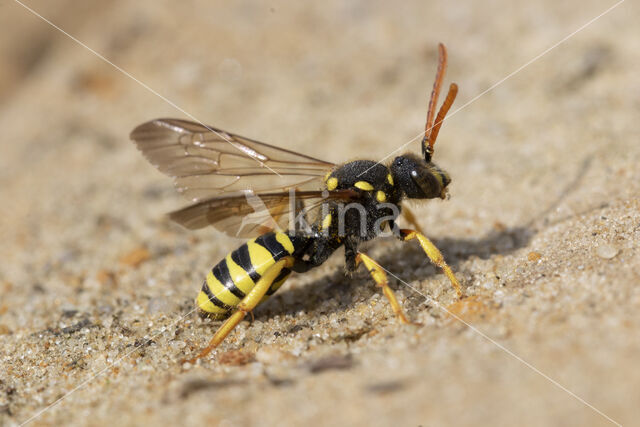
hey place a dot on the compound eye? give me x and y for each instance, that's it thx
(426, 183)
(418, 178)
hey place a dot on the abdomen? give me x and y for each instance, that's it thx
(236, 275)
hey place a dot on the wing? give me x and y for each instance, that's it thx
(241, 187)
(206, 162)
(249, 214)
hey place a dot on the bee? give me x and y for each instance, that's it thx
(250, 189)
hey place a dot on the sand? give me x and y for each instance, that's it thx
(542, 228)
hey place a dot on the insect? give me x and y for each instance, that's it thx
(227, 176)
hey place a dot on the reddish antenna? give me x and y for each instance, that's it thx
(431, 130)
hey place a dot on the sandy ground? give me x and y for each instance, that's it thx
(97, 285)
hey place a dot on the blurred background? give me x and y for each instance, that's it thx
(542, 225)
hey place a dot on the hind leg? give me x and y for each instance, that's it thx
(248, 303)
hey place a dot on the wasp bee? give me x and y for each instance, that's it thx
(250, 189)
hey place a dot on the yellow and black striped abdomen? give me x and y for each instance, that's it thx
(236, 275)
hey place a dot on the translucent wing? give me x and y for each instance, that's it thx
(206, 162)
(249, 214)
(241, 187)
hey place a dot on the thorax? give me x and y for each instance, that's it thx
(378, 200)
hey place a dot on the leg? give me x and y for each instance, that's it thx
(411, 219)
(316, 253)
(434, 255)
(380, 277)
(350, 254)
(248, 303)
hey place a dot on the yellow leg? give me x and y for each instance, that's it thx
(434, 255)
(248, 303)
(411, 219)
(380, 277)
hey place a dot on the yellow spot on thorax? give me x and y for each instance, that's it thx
(363, 185)
(390, 179)
(332, 183)
(381, 197)
(326, 222)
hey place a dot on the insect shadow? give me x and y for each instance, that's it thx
(405, 261)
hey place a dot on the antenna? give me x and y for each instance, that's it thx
(431, 130)
(448, 102)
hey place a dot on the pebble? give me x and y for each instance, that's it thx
(270, 355)
(534, 256)
(158, 305)
(607, 251)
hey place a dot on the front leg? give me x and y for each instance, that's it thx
(411, 219)
(380, 277)
(434, 255)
